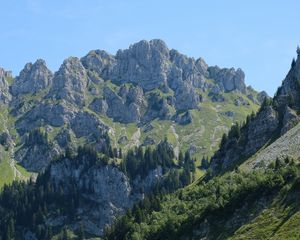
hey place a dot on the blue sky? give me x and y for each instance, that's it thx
(258, 36)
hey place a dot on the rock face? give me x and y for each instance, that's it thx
(32, 79)
(184, 119)
(5, 95)
(186, 98)
(261, 96)
(110, 192)
(289, 90)
(87, 125)
(285, 146)
(151, 65)
(106, 190)
(158, 107)
(290, 120)
(260, 130)
(99, 62)
(99, 105)
(254, 135)
(126, 106)
(36, 157)
(70, 82)
(52, 114)
(228, 79)
(6, 139)
(144, 63)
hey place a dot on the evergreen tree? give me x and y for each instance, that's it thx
(293, 63)
(81, 233)
(204, 163)
(180, 159)
(223, 141)
(65, 235)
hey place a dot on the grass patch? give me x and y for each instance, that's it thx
(7, 175)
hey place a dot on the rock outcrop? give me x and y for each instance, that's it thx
(290, 119)
(151, 65)
(99, 62)
(55, 115)
(128, 105)
(261, 96)
(185, 118)
(87, 125)
(107, 191)
(261, 129)
(32, 79)
(144, 63)
(228, 79)
(36, 157)
(70, 82)
(5, 95)
(99, 105)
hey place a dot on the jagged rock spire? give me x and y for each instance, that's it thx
(33, 78)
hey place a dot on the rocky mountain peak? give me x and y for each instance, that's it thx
(70, 81)
(5, 74)
(202, 66)
(261, 96)
(144, 63)
(4, 88)
(32, 79)
(148, 49)
(228, 79)
(289, 92)
(100, 62)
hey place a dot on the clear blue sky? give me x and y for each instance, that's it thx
(259, 36)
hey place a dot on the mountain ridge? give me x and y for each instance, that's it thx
(142, 85)
(144, 116)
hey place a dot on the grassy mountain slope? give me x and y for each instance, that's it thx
(9, 169)
(257, 205)
(285, 146)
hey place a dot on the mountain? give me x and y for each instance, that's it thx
(106, 132)
(251, 190)
(137, 97)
